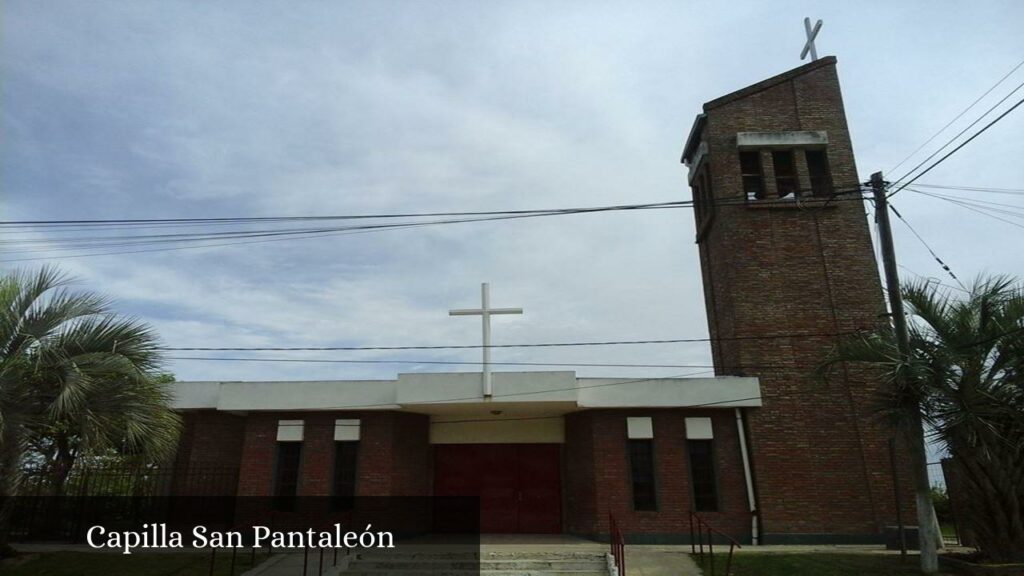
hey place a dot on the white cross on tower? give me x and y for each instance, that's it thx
(812, 33)
(485, 312)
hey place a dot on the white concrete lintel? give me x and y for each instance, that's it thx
(782, 139)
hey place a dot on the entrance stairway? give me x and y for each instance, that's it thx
(491, 564)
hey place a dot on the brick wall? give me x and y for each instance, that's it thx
(598, 477)
(819, 453)
(394, 453)
(210, 444)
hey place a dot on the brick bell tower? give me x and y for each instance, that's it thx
(787, 263)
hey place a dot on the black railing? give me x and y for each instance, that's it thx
(618, 545)
(699, 528)
(133, 481)
(47, 508)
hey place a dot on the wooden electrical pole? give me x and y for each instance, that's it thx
(927, 531)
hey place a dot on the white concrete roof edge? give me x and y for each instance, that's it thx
(421, 390)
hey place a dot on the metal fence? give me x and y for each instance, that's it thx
(46, 509)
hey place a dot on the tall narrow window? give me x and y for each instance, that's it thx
(344, 489)
(286, 476)
(641, 466)
(753, 180)
(817, 168)
(698, 201)
(785, 173)
(706, 198)
(702, 475)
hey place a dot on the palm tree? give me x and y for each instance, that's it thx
(965, 380)
(76, 376)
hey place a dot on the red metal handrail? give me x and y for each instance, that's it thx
(618, 545)
(697, 545)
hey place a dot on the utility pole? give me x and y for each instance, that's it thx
(927, 531)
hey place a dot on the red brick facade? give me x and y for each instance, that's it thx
(597, 477)
(209, 449)
(396, 459)
(774, 267)
(394, 453)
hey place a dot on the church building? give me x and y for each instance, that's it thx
(764, 451)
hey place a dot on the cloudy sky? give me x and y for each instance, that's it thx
(200, 109)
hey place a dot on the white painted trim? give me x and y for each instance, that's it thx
(346, 430)
(787, 139)
(431, 393)
(720, 392)
(699, 429)
(195, 395)
(290, 430)
(640, 428)
(748, 477)
(308, 395)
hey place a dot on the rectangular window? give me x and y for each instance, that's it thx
(702, 475)
(344, 489)
(817, 168)
(753, 180)
(641, 466)
(785, 173)
(286, 474)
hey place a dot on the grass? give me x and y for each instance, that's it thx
(829, 564)
(101, 564)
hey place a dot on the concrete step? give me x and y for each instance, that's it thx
(502, 564)
(493, 555)
(489, 563)
(356, 571)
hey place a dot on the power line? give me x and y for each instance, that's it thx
(301, 235)
(260, 219)
(1011, 191)
(929, 248)
(275, 219)
(458, 363)
(957, 117)
(955, 150)
(978, 209)
(435, 362)
(132, 240)
(478, 346)
(1012, 209)
(497, 397)
(277, 235)
(933, 280)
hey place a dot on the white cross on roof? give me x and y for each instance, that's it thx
(812, 33)
(485, 311)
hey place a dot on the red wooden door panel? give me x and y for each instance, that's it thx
(540, 506)
(519, 485)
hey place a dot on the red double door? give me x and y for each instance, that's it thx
(519, 485)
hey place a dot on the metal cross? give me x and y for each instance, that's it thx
(485, 312)
(812, 33)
